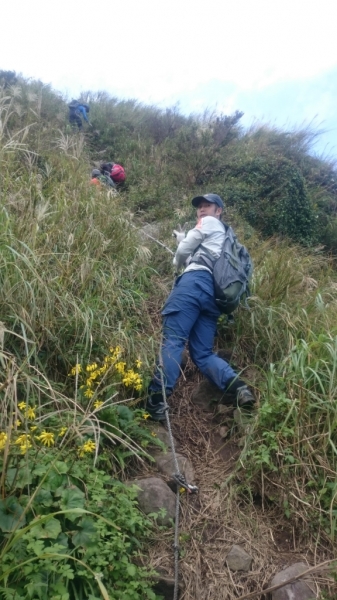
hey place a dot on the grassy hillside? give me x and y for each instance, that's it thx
(81, 290)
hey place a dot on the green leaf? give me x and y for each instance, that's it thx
(60, 467)
(72, 497)
(18, 477)
(87, 534)
(131, 569)
(49, 529)
(11, 514)
(43, 497)
(54, 480)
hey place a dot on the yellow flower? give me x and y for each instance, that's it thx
(89, 393)
(62, 431)
(120, 367)
(30, 413)
(115, 353)
(98, 403)
(18, 423)
(46, 438)
(91, 367)
(153, 434)
(76, 370)
(87, 447)
(146, 416)
(33, 427)
(3, 440)
(25, 446)
(22, 405)
(24, 442)
(132, 379)
(138, 363)
(93, 376)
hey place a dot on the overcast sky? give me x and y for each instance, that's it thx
(276, 60)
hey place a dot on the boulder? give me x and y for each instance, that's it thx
(165, 464)
(238, 559)
(299, 589)
(155, 494)
(163, 435)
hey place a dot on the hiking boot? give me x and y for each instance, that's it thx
(245, 398)
(155, 407)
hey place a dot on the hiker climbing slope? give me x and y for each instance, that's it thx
(114, 171)
(98, 179)
(191, 312)
(77, 111)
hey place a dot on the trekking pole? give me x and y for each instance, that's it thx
(178, 477)
(154, 239)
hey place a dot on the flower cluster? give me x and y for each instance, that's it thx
(112, 365)
(24, 441)
(29, 412)
(88, 446)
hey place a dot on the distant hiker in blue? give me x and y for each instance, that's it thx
(76, 111)
(191, 313)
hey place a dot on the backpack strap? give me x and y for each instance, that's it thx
(206, 259)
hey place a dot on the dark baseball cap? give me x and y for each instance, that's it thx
(212, 198)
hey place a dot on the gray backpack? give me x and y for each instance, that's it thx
(231, 271)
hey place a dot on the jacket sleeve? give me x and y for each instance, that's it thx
(187, 246)
(84, 113)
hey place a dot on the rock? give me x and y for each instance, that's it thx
(238, 559)
(155, 494)
(224, 431)
(299, 589)
(206, 393)
(163, 435)
(165, 464)
(165, 587)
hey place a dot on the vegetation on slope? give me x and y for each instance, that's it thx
(80, 296)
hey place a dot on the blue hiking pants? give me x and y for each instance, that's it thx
(191, 314)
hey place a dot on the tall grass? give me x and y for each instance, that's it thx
(290, 336)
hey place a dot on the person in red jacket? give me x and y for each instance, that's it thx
(115, 171)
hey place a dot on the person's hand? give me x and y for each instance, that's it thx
(179, 234)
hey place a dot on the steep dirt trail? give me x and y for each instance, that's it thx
(215, 519)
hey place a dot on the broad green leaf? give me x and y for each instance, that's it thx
(49, 529)
(87, 534)
(43, 497)
(19, 477)
(11, 514)
(72, 498)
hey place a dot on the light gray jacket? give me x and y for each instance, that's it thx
(207, 236)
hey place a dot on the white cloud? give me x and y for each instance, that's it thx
(153, 50)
